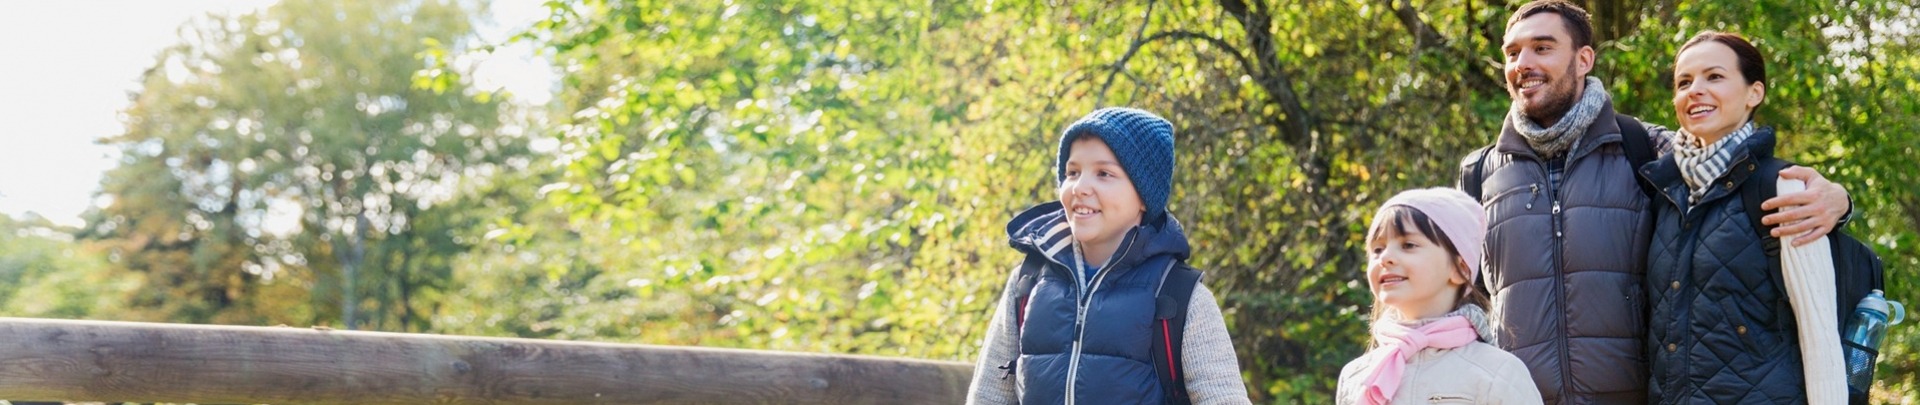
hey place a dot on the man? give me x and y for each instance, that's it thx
(1568, 225)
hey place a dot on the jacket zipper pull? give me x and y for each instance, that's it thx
(1557, 233)
(1534, 193)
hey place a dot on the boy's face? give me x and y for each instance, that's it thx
(1099, 198)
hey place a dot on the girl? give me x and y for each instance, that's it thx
(1429, 326)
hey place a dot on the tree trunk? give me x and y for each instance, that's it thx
(350, 260)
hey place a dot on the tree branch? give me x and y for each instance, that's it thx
(1068, 82)
(1245, 64)
(1425, 38)
(1296, 126)
(1100, 99)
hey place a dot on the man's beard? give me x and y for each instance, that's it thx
(1561, 95)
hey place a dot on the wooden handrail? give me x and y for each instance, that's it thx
(44, 359)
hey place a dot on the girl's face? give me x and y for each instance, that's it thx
(1412, 274)
(1710, 95)
(1100, 200)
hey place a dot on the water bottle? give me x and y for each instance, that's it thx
(1865, 331)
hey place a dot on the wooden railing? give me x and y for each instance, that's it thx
(60, 360)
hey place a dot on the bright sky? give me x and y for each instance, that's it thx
(68, 66)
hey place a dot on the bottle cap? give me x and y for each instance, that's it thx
(1878, 302)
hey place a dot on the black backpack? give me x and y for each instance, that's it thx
(1169, 315)
(1857, 270)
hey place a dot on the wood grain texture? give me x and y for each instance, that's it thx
(44, 359)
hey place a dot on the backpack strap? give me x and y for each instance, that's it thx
(1169, 330)
(1470, 182)
(1639, 150)
(1762, 184)
(1029, 276)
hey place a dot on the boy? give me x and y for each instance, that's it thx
(1078, 319)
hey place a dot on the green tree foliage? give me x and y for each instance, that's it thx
(45, 273)
(283, 167)
(740, 176)
(834, 175)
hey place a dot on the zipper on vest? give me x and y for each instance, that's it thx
(1073, 370)
(1080, 307)
(1560, 272)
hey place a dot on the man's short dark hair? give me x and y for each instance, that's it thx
(1579, 24)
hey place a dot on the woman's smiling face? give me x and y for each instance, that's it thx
(1710, 95)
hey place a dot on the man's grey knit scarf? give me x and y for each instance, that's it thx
(1552, 141)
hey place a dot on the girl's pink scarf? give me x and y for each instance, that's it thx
(1398, 342)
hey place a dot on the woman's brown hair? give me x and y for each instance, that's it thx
(1751, 65)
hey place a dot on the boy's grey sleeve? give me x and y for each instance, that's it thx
(1213, 370)
(988, 388)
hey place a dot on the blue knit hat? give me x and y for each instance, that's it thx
(1142, 141)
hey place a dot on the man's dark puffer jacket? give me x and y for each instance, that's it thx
(1565, 262)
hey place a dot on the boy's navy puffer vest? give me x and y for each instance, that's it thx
(1721, 328)
(1090, 343)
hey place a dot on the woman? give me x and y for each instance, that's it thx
(1721, 327)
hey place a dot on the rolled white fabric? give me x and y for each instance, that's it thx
(1808, 272)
